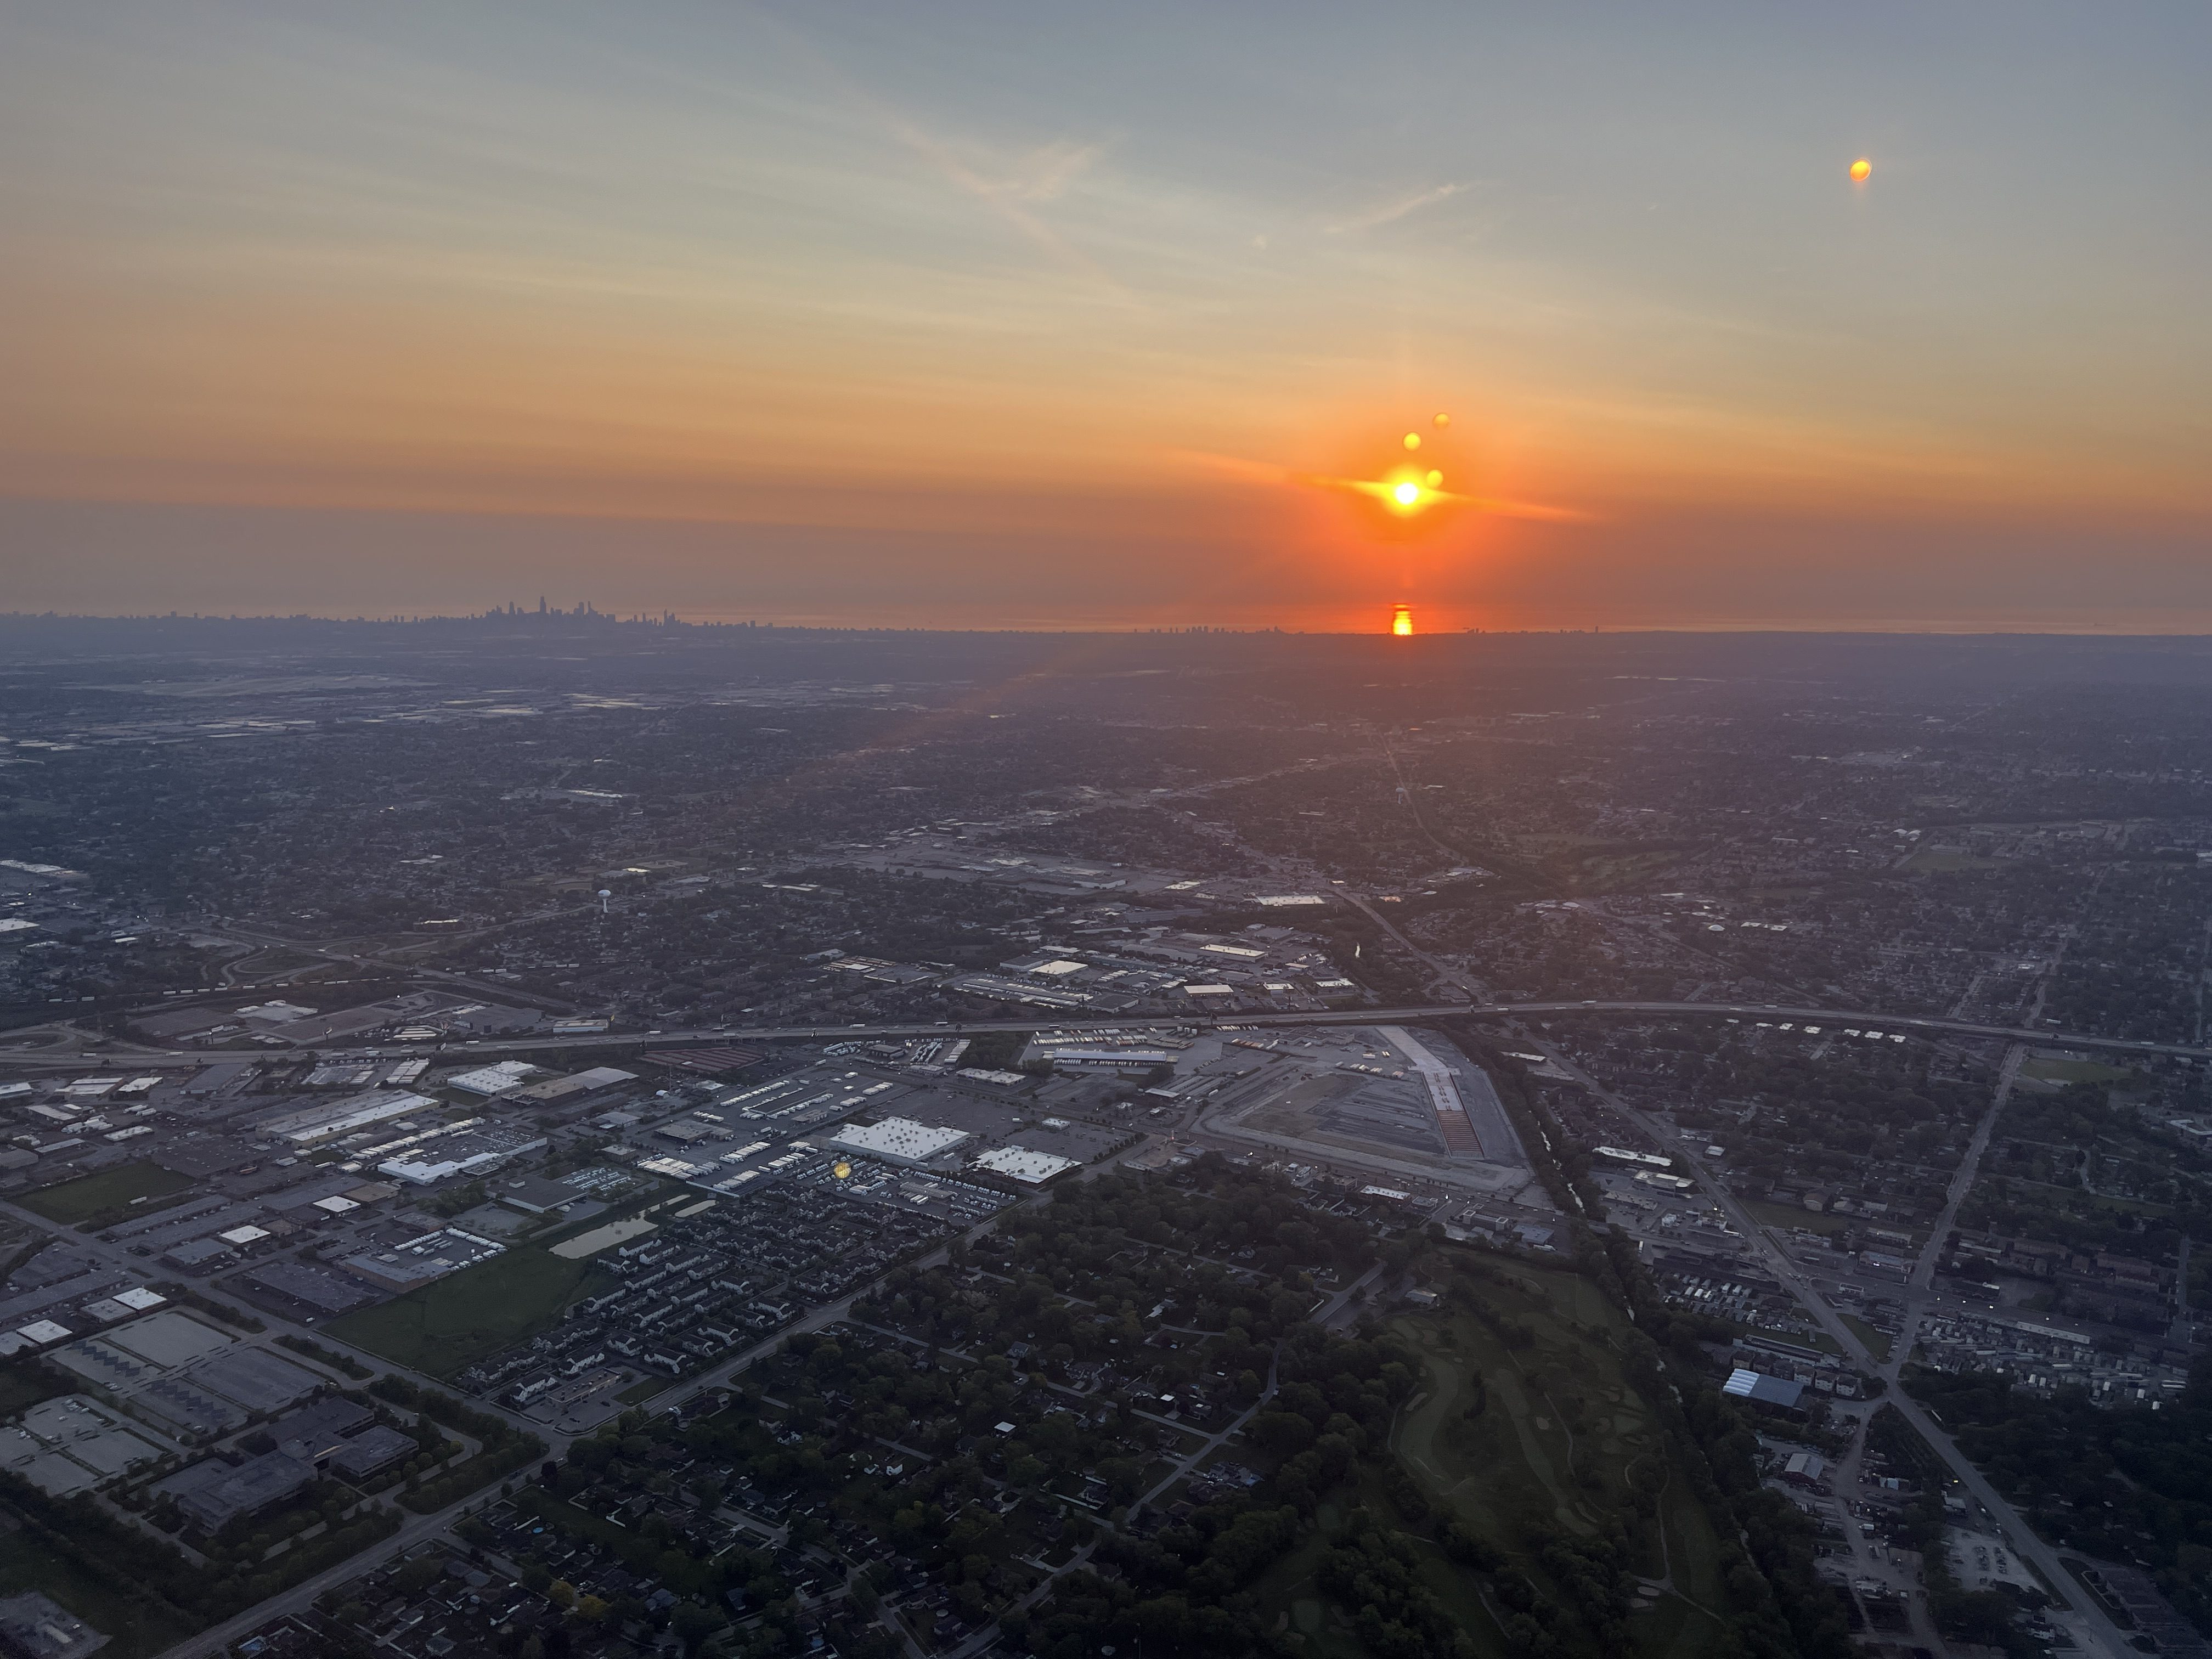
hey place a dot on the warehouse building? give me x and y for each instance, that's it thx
(1763, 1390)
(321, 1122)
(213, 1494)
(1019, 1163)
(899, 1140)
(493, 1079)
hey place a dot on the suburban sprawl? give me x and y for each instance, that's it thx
(545, 1137)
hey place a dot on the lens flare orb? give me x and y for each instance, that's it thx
(1413, 440)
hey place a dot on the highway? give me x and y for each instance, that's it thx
(216, 1638)
(60, 1055)
(66, 1048)
(2092, 1630)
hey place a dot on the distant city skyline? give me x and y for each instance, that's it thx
(860, 315)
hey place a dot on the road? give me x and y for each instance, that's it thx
(2093, 1630)
(216, 1638)
(1879, 1561)
(2095, 1633)
(118, 1256)
(418, 1528)
(414, 1528)
(986, 1636)
(1213, 1442)
(154, 1059)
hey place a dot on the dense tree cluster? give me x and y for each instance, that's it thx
(2059, 1162)
(2121, 1482)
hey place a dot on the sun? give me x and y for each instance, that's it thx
(1401, 621)
(1861, 170)
(1407, 494)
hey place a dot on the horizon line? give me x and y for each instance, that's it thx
(1893, 628)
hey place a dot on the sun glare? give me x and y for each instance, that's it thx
(1407, 494)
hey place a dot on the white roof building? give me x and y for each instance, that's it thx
(1019, 1163)
(1136, 1058)
(1767, 1390)
(276, 1013)
(899, 1140)
(357, 1111)
(493, 1079)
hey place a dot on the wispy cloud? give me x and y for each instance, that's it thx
(1011, 197)
(1045, 174)
(1390, 213)
(1041, 177)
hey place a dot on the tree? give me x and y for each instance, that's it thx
(693, 1622)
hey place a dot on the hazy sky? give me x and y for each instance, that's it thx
(1024, 315)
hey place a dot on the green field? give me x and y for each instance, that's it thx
(449, 1324)
(1877, 1342)
(1551, 1433)
(73, 1201)
(139, 1630)
(1522, 1423)
(2074, 1071)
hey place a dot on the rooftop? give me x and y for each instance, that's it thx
(1019, 1163)
(899, 1140)
(1767, 1390)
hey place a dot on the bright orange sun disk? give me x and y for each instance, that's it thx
(1401, 621)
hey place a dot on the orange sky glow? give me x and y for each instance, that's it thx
(937, 321)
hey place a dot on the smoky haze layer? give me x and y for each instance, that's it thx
(863, 315)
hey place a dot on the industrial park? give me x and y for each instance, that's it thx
(583, 1214)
